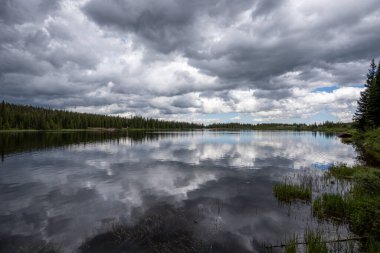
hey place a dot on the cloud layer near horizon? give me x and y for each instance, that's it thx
(178, 59)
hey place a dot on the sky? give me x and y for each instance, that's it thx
(249, 61)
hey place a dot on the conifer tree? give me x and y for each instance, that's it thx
(364, 113)
(375, 100)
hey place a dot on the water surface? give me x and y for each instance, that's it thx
(66, 187)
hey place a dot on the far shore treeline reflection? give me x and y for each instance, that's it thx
(18, 142)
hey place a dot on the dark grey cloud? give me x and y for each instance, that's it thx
(181, 58)
(19, 11)
(240, 58)
(264, 8)
(164, 25)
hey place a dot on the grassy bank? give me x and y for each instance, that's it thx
(369, 144)
(372, 140)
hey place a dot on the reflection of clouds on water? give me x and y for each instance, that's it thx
(80, 188)
(243, 150)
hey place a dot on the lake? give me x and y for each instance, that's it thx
(66, 188)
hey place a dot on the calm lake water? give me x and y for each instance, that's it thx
(67, 187)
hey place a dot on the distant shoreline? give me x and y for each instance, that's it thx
(168, 129)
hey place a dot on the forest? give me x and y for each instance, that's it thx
(16, 117)
(21, 117)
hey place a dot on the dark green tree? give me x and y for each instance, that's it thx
(375, 99)
(364, 112)
(28, 117)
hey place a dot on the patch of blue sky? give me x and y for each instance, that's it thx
(330, 89)
(322, 166)
(327, 89)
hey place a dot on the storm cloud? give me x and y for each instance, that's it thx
(209, 60)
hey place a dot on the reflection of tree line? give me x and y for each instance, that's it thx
(29, 141)
(17, 142)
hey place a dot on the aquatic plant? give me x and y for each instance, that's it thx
(289, 192)
(291, 245)
(315, 243)
(331, 207)
(373, 246)
(360, 208)
(341, 171)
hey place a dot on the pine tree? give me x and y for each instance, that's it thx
(362, 117)
(375, 99)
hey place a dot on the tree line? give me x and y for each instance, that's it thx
(14, 116)
(325, 126)
(367, 115)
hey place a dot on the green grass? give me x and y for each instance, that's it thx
(360, 208)
(315, 242)
(331, 207)
(372, 139)
(364, 216)
(373, 246)
(288, 192)
(369, 144)
(367, 182)
(291, 245)
(342, 171)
